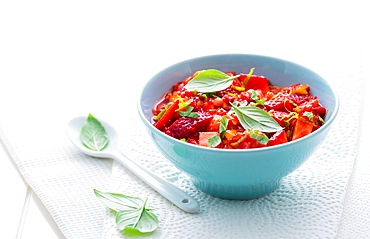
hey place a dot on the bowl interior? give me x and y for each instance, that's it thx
(279, 72)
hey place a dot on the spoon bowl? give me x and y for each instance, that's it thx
(74, 131)
(166, 189)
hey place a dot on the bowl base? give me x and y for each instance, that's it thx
(237, 192)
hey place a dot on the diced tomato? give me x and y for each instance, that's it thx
(168, 116)
(205, 136)
(302, 128)
(258, 83)
(278, 138)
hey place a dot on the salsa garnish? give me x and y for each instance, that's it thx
(237, 111)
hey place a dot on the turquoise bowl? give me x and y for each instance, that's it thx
(247, 173)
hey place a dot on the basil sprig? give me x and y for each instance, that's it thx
(209, 81)
(223, 126)
(214, 141)
(131, 212)
(93, 134)
(188, 112)
(254, 118)
(254, 97)
(259, 136)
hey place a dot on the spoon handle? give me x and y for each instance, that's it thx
(165, 188)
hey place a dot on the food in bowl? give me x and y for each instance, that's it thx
(237, 111)
(238, 174)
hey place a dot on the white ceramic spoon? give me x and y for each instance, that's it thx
(166, 189)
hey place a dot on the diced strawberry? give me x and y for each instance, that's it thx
(279, 116)
(299, 99)
(319, 110)
(186, 126)
(275, 104)
(278, 138)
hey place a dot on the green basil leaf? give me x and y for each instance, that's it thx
(193, 115)
(254, 118)
(214, 141)
(259, 136)
(188, 112)
(118, 202)
(254, 97)
(139, 218)
(210, 80)
(223, 126)
(131, 212)
(93, 134)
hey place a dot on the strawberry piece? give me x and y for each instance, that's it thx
(279, 116)
(275, 104)
(168, 116)
(186, 126)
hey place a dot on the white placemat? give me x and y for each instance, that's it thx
(308, 204)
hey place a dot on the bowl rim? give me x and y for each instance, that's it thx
(288, 144)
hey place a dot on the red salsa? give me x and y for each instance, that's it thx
(236, 111)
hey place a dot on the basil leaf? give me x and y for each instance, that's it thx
(254, 97)
(188, 112)
(214, 141)
(131, 212)
(210, 80)
(223, 126)
(259, 136)
(254, 118)
(93, 134)
(139, 218)
(118, 202)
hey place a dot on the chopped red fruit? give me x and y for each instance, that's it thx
(278, 138)
(186, 126)
(256, 83)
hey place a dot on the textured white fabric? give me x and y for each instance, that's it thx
(62, 178)
(308, 204)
